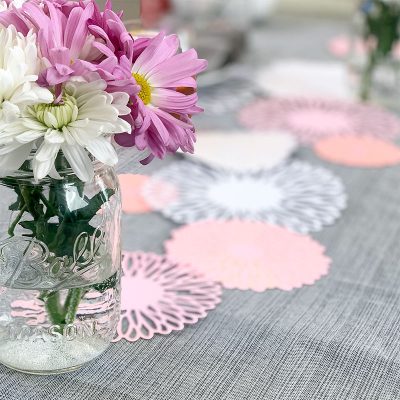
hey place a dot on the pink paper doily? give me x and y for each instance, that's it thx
(160, 296)
(133, 201)
(249, 255)
(31, 310)
(357, 151)
(314, 119)
(131, 190)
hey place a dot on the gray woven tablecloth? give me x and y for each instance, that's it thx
(339, 339)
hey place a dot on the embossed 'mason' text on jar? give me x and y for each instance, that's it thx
(54, 333)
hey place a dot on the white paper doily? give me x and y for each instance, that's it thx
(299, 196)
(306, 78)
(243, 151)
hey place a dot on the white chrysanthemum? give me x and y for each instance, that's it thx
(81, 123)
(4, 6)
(19, 68)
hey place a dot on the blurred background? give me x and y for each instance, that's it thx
(345, 50)
(246, 41)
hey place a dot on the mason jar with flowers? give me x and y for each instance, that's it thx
(76, 90)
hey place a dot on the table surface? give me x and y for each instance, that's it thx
(339, 339)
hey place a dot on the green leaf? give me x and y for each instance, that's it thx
(29, 225)
(109, 283)
(62, 237)
(95, 204)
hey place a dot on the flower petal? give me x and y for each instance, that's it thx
(44, 159)
(79, 161)
(13, 160)
(178, 67)
(103, 150)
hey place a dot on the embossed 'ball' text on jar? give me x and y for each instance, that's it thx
(60, 269)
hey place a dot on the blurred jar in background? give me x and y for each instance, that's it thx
(240, 12)
(217, 28)
(375, 59)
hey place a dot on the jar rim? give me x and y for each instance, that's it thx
(26, 171)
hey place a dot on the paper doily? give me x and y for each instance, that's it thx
(306, 78)
(240, 151)
(227, 97)
(312, 119)
(131, 190)
(32, 309)
(160, 296)
(133, 201)
(298, 195)
(249, 255)
(356, 151)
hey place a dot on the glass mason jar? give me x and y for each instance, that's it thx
(374, 62)
(60, 268)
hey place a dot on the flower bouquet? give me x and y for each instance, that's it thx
(76, 92)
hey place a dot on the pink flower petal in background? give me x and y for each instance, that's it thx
(357, 151)
(249, 255)
(160, 296)
(313, 119)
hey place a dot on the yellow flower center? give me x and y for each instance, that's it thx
(145, 88)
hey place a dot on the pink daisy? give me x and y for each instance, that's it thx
(161, 110)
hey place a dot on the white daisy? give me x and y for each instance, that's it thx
(4, 5)
(81, 123)
(19, 68)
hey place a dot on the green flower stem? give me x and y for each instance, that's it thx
(71, 305)
(58, 236)
(53, 308)
(50, 208)
(367, 76)
(52, 222)
(29, 197)
(14, 224)
(62, 315)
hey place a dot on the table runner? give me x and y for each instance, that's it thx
(338, 339)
